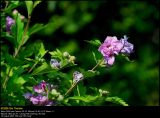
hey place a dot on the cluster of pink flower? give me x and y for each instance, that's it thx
(41, 99)
(112, 46)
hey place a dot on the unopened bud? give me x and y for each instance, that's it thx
(72, 58)
(22, 17)
(65, 54)
(15, 12)
(60, 98)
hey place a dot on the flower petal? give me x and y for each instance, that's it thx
(111, 60)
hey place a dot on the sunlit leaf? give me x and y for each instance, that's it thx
(12, 61)
(86, 98)
(116, 100)
(18, 29)
(35, 28)
(40, 69)
(36, 3)
(95, 42)
(29, 5)
(12, 5)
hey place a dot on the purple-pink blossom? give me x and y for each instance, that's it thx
(112, 46)
(9, 23)
(40, 95)
(40, 88)
(127, 47)
(41, 100)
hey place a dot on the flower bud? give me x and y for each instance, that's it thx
(60, 98)
(22, 17)
(66, 54)
(72, 58)
(15, 12)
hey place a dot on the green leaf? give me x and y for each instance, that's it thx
(86, 98)
(19, 80)
(94, 56)
(35, 48)
(89, 74)
(12, 61)
(42, 50)
(116, 100)
(36, 3)
(26, 37)
(35, 28)
(18, 70)
(9, 37)
(41, 69)
(57, 54)
(95, 42)
(29, 5)
(17, 29)
(64, 63)
(82, 88)
(12, 5)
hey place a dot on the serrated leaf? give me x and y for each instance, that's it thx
(26, 37)
(19, 70)
(36, 48)
(19, 80)
(12, 5)
(95, 42)
(86, 98)
(29, 5)
(36, 3)
(64, 63)
(12, 61)
(17, 29)
(40, 69)
(35, 28)
(57, 54)
(9, 38)
(42, 50)
(116, 100)
(88, 74)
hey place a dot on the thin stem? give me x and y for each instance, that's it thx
(97, 65)
(33, 67)
(6, 78)
(24, 34)
(78, 90)
(6, 4)
(70, 89)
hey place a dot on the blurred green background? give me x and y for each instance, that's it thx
(70, 23)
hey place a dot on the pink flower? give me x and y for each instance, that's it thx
(127, 47)
(9, 23)
(109, 48)
(112, 46)
(40, 88)
(41, 100)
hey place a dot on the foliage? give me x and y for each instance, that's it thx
(35, 52)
